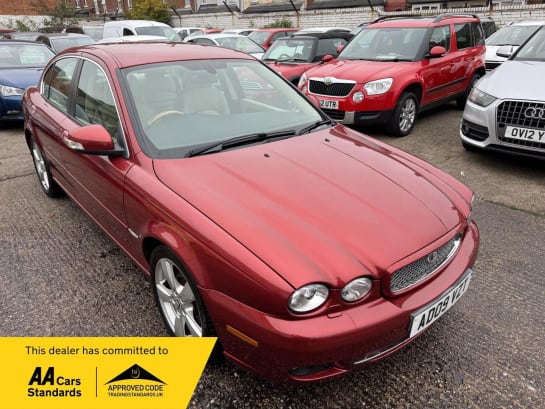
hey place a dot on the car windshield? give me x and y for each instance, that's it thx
(385, 44)
(96, 33)
(243, 44)
(163, 31)
(511, 35)
(184, 105)
(24, 55)
(534, 49)
(290, 49)
(62, 43)
(259, 36)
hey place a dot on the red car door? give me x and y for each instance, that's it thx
(96, 181)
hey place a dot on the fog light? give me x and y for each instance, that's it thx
(358, 97)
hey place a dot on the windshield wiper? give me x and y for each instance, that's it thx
(239, 140)
(315, 125)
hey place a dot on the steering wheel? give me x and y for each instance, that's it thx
(283, 57)
(162, 115)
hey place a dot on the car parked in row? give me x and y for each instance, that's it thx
(61, 41)
(512, 35)
(183, 32)
(246, 208)
(398, 67)
(292, 56)
(233, 41)
(96, 32)
(505, 110)
(121, 28)
(266, 36)
(21, 64)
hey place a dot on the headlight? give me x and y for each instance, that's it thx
(379, 86)
(356, 289)
(6, 91)
(480, 98)
(302, 81)
(308, 297)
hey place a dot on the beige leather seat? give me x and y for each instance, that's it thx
(201, 96)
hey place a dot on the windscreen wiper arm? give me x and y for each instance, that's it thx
(239, 140)
(315, 125)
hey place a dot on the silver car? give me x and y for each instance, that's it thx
(506, 108)
(514, 35)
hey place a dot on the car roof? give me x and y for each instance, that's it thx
(274, 30)
(219, 35)
(53, 35)
(10, 41)
(131, 54)
(527, 23)
(330, 34)
(419, 21)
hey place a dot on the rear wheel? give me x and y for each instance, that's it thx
(41, 165)
(404, 115)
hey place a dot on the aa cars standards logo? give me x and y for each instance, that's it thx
(135, 382)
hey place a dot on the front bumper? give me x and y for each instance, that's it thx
(479, 128)
(340, 341)
(11, 108)
(360, 117)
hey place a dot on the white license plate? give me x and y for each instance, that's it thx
(327, 104)
(427, 316)
(525, 134)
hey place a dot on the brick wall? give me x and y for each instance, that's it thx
(311, 18)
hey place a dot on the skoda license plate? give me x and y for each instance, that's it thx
(327, 104)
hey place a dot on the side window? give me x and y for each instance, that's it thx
(95, 101)
(463, 35)
(478, 34)
(57, 83)
(440, 37)
(127, 32)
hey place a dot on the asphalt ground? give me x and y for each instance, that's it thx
(61, 276)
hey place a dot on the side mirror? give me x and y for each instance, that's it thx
(327, 58)
(340, 48)
(437, 51)
(505, 51)
(93, 140)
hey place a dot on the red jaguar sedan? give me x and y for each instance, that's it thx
(307, 248)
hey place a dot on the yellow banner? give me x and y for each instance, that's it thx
(101, 373)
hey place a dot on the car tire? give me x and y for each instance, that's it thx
(177, 296)
(42, 168)
(404, 117)
(461, 101)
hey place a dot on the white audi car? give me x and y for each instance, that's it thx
(505, 110)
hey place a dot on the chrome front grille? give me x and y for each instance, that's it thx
(524, 114)
(333, 89)
(418, 270)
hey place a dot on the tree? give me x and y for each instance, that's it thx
(154, 10)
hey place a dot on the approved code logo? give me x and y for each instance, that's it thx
(135, 382)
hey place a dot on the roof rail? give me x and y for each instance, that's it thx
(395, 16)
(443, 16)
